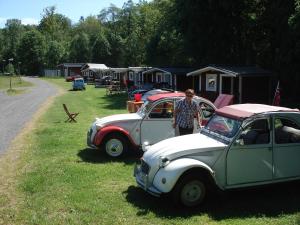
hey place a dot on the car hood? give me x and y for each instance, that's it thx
(108, 120)
(193, 145)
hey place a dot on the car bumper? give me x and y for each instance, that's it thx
(89, 140)
(142, 180)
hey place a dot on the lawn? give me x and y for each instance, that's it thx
(16, 82)
(61, 181)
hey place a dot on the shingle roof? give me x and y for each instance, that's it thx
(233, 70)
(172, 70)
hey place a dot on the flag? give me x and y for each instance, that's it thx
(276, 100)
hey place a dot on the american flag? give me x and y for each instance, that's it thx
(276, 100)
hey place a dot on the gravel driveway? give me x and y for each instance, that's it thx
(16, 110)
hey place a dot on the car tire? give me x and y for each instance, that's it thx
(115, 145)
(190, 190)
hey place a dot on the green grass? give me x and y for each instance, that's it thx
(15, 91)
(64, 182)
(16, 82)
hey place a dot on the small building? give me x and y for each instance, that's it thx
(135, 75)
(174, 78)
(248, 84)
(70, 69)
(92, 71)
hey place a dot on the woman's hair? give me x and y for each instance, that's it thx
(190, 91)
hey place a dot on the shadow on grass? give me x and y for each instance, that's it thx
(117, 101)
(98, 156)
(268, 201)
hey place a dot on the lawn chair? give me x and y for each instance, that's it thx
(71, 116)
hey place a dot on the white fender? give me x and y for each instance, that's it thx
(166, 177)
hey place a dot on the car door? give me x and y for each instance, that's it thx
(157, 124)
(286, 146)
(249, 159)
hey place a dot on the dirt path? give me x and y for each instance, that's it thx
(16, 111)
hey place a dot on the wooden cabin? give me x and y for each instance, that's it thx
(92, 71)
(174, 78)
(70, 69)
(247, 84)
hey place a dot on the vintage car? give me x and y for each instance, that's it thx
(72, 77)
(78, 84)
(150, 124)
(242, 145)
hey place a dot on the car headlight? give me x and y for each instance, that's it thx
(163, 161)
(145, 146)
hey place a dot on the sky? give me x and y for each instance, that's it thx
(30, 11)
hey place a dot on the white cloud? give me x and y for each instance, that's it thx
(29, 21)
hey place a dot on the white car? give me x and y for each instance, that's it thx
(242, 145)
(150, 124)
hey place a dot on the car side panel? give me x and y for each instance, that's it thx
(110, 129)
(174, 170)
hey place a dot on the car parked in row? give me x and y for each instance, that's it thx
(242, 145)
(152, 123)
(78, 84)
(72, 77)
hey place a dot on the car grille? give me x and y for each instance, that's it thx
(145, 167)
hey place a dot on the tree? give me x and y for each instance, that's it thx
(101, 49)
(12, 34)
(79, 48)
(31, 52)
(53, 25)
(55, 53)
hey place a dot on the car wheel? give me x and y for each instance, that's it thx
(115, 145)
(189, 191)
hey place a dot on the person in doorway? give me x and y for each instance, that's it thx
(185, 112)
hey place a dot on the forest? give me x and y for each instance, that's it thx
(164, 33)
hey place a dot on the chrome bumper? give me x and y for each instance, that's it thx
(88, 139)
(142, 180)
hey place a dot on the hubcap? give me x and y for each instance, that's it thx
(114, 147)
(193, 193)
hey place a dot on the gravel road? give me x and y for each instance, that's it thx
(16, 111)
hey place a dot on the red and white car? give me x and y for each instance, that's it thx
(152, 123)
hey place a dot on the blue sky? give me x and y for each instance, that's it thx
(29, 11)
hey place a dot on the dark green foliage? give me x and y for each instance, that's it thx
(31, 52)
(175, 33)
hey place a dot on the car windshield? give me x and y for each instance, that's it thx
(222, 127)
(144, 108)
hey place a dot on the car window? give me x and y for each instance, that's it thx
(162, 110)
(206, 110)
(286, 131)
(223, 126)
(257, 132)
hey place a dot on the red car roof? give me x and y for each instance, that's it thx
(165, 95)
(241, 111)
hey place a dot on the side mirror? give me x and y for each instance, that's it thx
(239, 142)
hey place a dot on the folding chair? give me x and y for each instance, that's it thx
(71, 116)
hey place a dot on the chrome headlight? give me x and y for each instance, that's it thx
(145, 146)
(163, 161)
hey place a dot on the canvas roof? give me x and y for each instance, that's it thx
(165, 95)
(241, 111)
